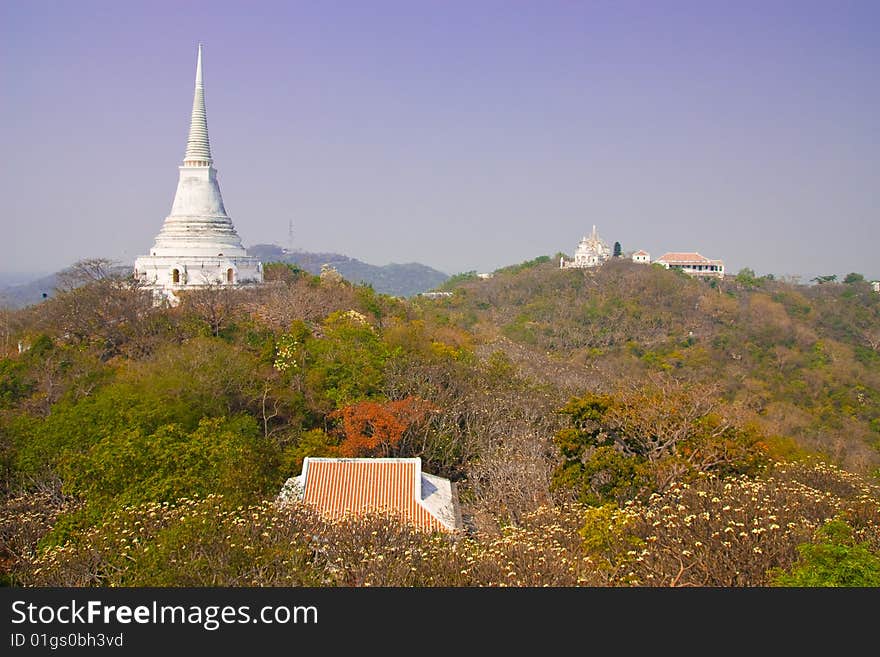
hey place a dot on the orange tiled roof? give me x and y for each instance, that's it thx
(684, 258)
(337, 487)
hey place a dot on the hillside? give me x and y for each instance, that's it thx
(401, 280)
(621, 426)
(801, 361)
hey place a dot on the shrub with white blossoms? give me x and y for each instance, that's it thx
(734, 531)
(286, 353)
(713, 531)
(356, 317)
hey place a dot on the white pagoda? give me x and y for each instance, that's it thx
(591, 252)
(198, 245)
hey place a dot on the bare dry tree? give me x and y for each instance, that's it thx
(216, 304)
(86, 271)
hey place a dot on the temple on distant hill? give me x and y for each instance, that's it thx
(591, 252)
(197, 245)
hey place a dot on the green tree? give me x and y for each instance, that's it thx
(747, 278)
(618, 446)
(282, 271)
(311, 443)
(853, 277)
(346, 365)
(180, 384)
(454, 280)
(528, 264)
(225, 456)
(837, 559)
(617, 250)
(14, 383)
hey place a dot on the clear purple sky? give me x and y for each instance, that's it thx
(464, 134)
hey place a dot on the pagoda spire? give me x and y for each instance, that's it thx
(198, 148)
(198, 245)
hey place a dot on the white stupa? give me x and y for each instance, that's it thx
(592, 251)
(198, 245)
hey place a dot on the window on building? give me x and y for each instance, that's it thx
(230, 275)
(175, 276)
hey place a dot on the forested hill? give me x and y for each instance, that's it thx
(625, 425)
(402, 280)
(801, 361)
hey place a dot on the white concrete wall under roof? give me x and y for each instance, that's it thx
(440, 498)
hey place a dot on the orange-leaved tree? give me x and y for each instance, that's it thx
(373, 428)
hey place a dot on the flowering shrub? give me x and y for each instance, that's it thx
(544, 549)
(197, 542)
(715, 531)
(206, 542)
(733, 531)
(287, 353)
(24, 521)
(356, 317)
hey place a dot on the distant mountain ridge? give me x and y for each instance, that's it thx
(402, 280)
(18, 295)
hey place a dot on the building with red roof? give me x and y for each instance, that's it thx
(692, 263)
(338, 487)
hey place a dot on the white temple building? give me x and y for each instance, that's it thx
(197, 245)
(591, 252)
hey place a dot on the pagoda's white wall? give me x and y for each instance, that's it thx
(198, 236)
(158, 271)
(198, 194)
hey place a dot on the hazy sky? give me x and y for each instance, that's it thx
(464, 134)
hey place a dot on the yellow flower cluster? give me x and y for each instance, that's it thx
(286, 354)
